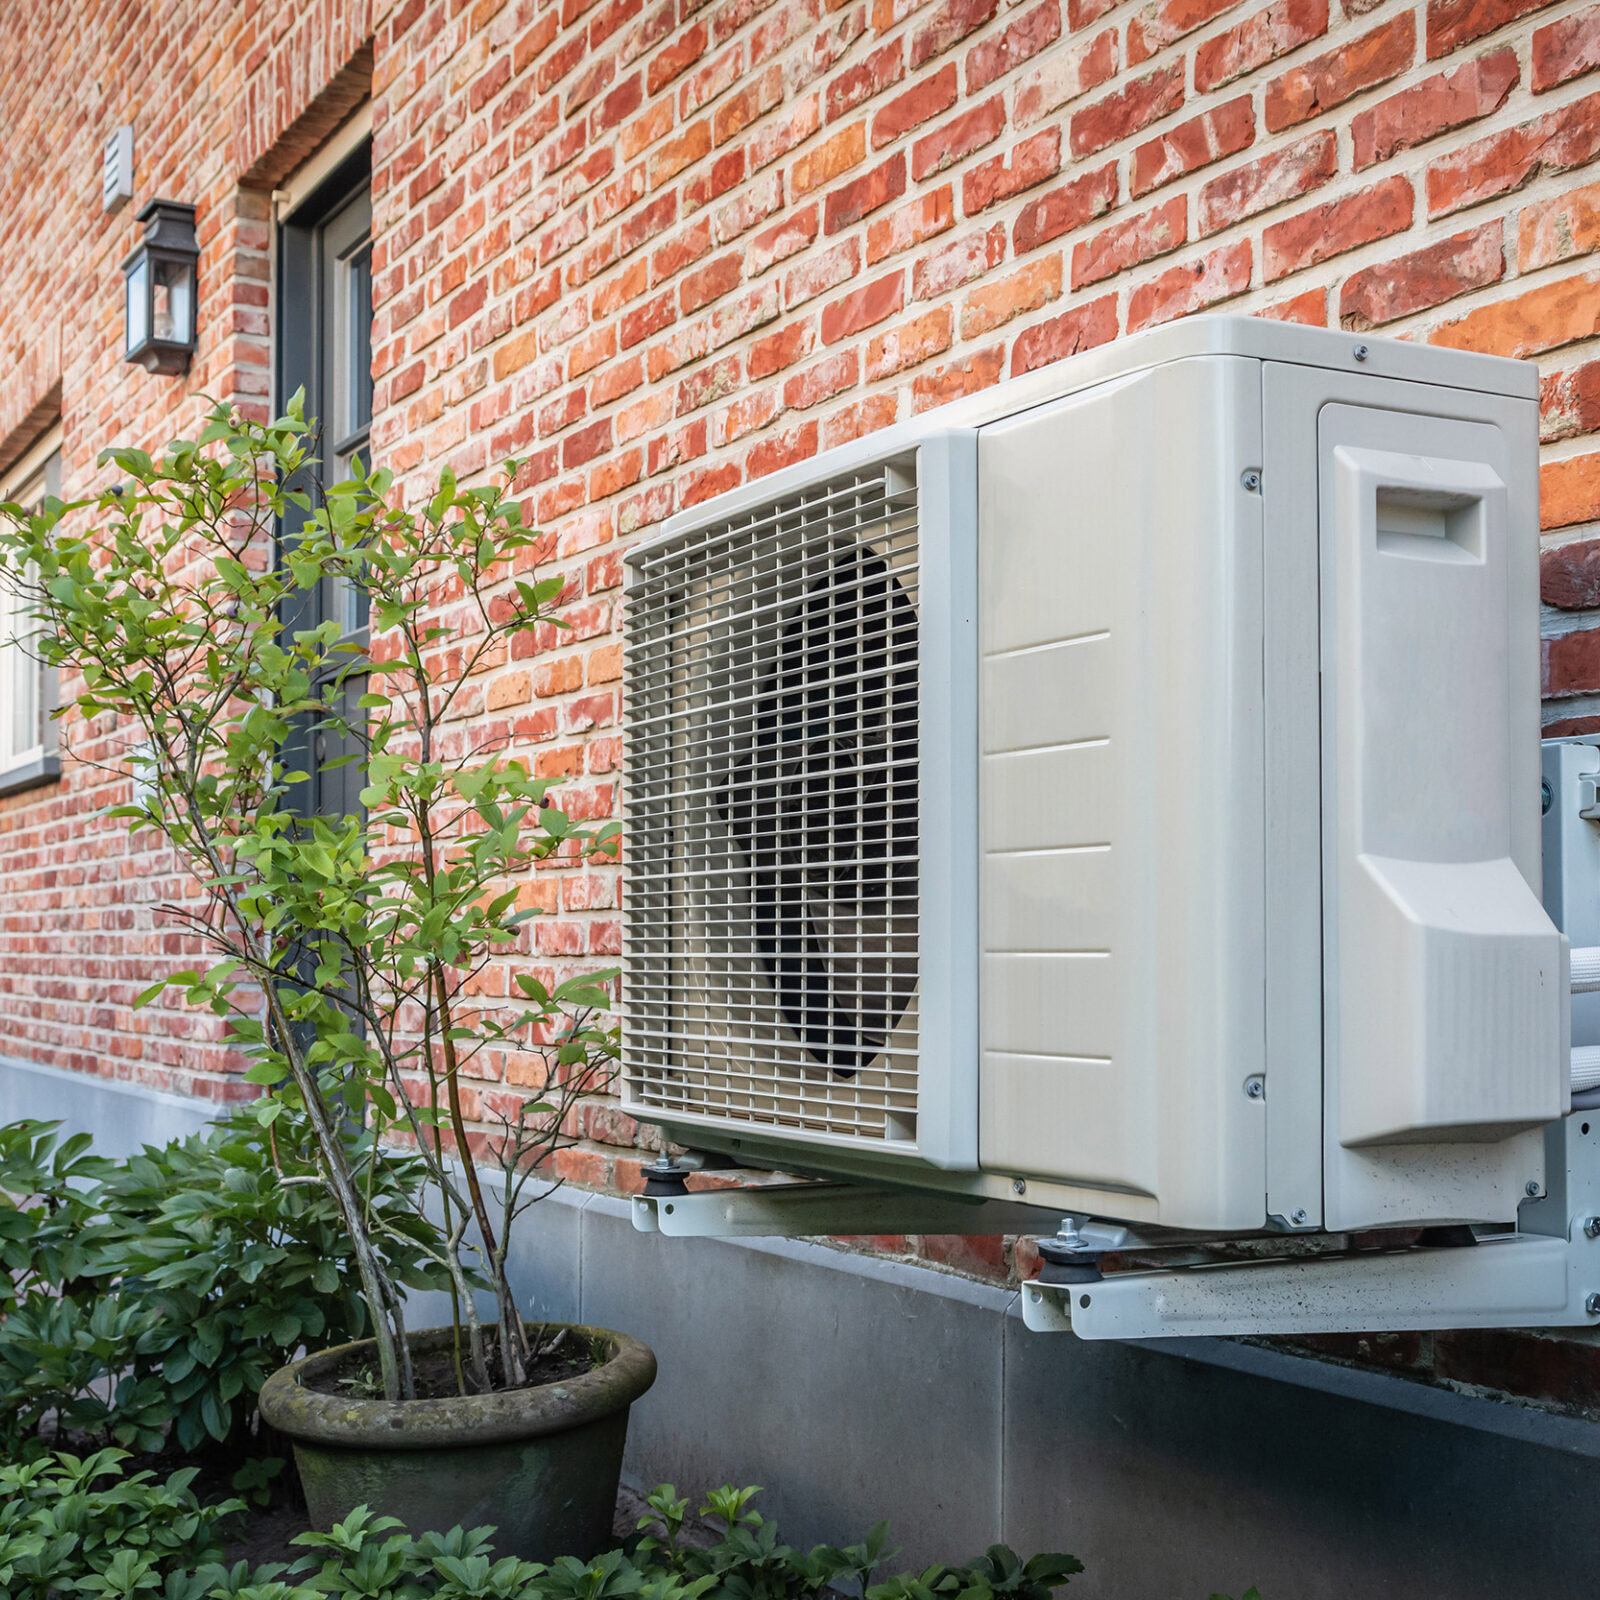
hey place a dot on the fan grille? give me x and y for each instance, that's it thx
(772, 896)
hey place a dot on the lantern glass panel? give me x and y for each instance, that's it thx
(137, 320)
(173, 301)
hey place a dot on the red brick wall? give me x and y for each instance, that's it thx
(660, 247)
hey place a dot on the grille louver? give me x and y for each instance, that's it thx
(772, 805)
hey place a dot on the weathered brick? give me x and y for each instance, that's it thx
(1194, 286)
(958, 138)
(958, 262)
(863, 307)
(925, 217)
(1064, 76)
(1556, 142)
(1566, 49)
(860, 197)
(1569, 574)
(1313, 88)
(998, 300)
(1268, 181)
(786, 237)
(949, 24)
(909, 344)
(1425, 278)
(1128, 243)
(1310, 307)
(834, 156)
(1570, 664)
(921, 102)
(1329, 230)
(1153, 27)
(822, 380)
(1569, 402)
(1081, 328)
(1569, 492)
(1281, 27)
(864, 80)
(1453, 23)
(1061, 210)
(969, 375)
(1215, 134)
(1527, 324)
(1023, 167)
(1026, 37)
(1434, 106)
(1126, 111)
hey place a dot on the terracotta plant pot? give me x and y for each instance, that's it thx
(540, 1464)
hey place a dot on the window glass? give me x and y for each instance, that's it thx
(25, 732)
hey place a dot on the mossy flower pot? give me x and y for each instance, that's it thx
(541, 1464)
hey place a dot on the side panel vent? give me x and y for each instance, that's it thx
(774, 900)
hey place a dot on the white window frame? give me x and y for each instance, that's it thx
(35, 474)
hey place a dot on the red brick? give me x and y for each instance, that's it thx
(864, 80)
(862, 196)
(1222, 131)
(822, 380)
(1559, 229)
(925, 217)
(1280, 28)
(1127, 243)
(958, 138)
(1159, 24)
(1194, 286)
(949, 24)
(1556, 142)
(793, 231)
(1453, 23)
(1022, 168)
(1528, 324)
(845, 149)
(1081, 328)
(1026, 37)
(1269, 181)
(1329, 230)
(819, 273)
(1434, 106)
(682, 53)
(1569, 575)
(1566, 49)
(1313, 88)
(774, 351)
(1309, 307)
(1129, 109)
(710, 283)
(980, 370)
(1571, 664)
(1569, 402)
(1085, 13)
(857, 420)
(1064, 76)
(909, 344)
(1569, 492)
(1425, 278)
(1066, 208)
(863, 307)
(917, 105)
(997, 301)
(958, 262)
(772, 455)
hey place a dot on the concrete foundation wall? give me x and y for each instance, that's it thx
(855, 1389)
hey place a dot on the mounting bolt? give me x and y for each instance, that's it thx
(1532, 1189)
(1591, 1227)
(1019, 1186)
(1256, 1087)
(1592, 1305)
(1361, 352)
(1299, 1217)
(1251, 480)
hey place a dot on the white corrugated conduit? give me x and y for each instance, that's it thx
(1586, 980)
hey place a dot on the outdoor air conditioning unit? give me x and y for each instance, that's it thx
(1118, 788)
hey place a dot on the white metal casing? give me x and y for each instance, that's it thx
(1144, 676)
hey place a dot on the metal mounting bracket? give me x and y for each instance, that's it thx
(799, 1210)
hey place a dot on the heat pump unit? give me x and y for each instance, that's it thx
(1119, 787)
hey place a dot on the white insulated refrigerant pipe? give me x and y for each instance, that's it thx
(1586, 980)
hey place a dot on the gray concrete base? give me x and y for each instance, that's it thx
(855, 1389)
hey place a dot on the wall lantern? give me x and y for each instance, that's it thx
(159, 280)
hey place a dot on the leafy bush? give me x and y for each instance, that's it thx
(63, 1531)
(157, 1294)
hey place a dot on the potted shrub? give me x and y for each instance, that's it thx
(297, 731)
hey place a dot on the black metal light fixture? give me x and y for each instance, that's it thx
(159, 284)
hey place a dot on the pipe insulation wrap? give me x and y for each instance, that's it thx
(1586, 969)
(1585, 1067)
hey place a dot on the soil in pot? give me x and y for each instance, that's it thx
(540, 1463)
(446, 1374)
